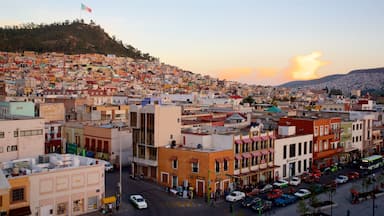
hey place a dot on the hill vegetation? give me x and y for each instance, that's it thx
(74, 37)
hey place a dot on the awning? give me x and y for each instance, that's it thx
(108, 200)
(246, 155)
(173, 158)
(272, 137)
(238, 157)
(238, 142)
(194, 160)
(247, 140)
(264, 152)
(256, 153)
(264, 138)
(271, 150)
(256, 138)
(20, 211)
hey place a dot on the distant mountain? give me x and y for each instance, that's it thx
(368, 80)
(68, 37)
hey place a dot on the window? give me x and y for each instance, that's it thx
(133, 119)
(236, 164)
(321, 130)
(92, 203)
(1, 201)
(195, 167)
(62, 208)
(310, 163)
(270, 157)
(325, 143)
(353, 139)
(285, 152)
(299, 149)
(17, 195)
(78, 205)
(1, 149)
(299, 166)
(326, 132)
(292, 150)
(141, 152)
(353, 127)
(316, 131)
(305, 147)
(225, 165)
(15, 133)
(237, 149)
(284, 170)
(360, 138)
(305, 164)
(1, 134)
(217, 166)
(310, 146)
(174, 164)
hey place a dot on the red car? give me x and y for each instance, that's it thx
(310, 178)
(316, 173)
(274, 194)
(353, 175)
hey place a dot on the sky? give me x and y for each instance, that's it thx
(264, 42)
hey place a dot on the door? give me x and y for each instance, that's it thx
(145, 171)
(153, 172)
(164, 178)
(200, 188)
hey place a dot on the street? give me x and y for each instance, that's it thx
(162, 203)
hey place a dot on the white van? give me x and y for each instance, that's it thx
(108, 166)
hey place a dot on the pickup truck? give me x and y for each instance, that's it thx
(285, 199)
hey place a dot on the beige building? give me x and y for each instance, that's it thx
(54, 184)
(21, 137)
(152, 126)
(51, 111)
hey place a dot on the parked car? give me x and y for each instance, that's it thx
(303, 193)
(285, 199)
(108, 166)
(280, 183)
(317, 188)
(235, 196)
(330, 185)
(316, 173)
(262, 206)
(295, 181)
(275, 193)
(138, 201)
(353, 175)
(250, 201)
(260, 189)
(310, 178)
(341, 179)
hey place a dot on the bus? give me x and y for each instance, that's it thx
(372, 162)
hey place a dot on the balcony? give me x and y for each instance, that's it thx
(327, 153)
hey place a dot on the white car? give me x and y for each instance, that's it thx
(235, 196)
(341, 179)
(295, 181)
(138, 201)
(108, 167)
(280, 183)
(302, 193)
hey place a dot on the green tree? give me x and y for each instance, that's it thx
(302, 207)
(249, 100)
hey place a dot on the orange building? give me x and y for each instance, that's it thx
(201, 170)
(326, 138)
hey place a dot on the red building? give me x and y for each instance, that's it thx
(326, 137)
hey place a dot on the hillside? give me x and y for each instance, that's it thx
(69, 37)
(368, 80)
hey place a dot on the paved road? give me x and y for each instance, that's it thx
(162, 203)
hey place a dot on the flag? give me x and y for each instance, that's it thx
(84, 7)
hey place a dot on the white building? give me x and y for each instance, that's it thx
(367, 120)
(21, 137)
(56, 184)
(293, 152)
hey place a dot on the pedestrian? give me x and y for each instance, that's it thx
(348, 212)
(231, 208)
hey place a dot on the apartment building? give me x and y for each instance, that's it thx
(326, 137)
(366, 125)
(21, 137)
(153, 126)
(254, 156)
(52, 184)
(294, 152)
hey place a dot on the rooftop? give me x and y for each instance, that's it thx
(44, 163)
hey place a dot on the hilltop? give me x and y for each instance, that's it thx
(368, 80)
(68, 37)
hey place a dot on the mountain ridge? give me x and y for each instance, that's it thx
(74, 37)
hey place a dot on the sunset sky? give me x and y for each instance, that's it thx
(260, 42)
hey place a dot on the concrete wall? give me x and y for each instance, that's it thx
(52, 111)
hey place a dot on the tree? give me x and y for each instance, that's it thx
(302, 207)
(313, 200)
(249, 100)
